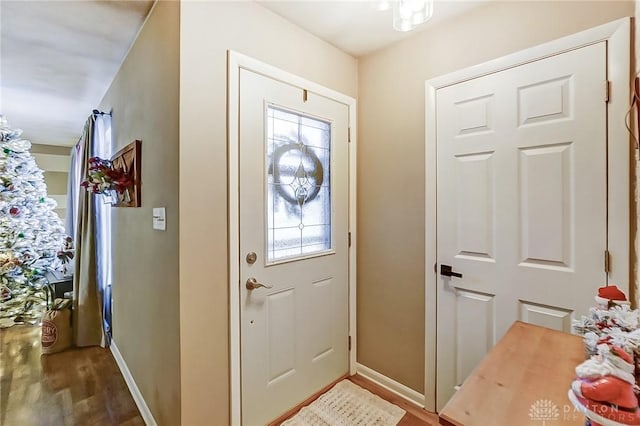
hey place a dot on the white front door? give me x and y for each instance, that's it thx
(521, 203)
(294, 196)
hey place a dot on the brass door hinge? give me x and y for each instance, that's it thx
(349, 239)
(607, 261)
(349, 134)
(349, 342)
(607, 90)
(305, 95)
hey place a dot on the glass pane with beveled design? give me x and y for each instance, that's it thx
(298, 185)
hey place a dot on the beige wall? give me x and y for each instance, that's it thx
(56, 182)
(391, 165)
(145, 98)
(55, 163)
(208, 29)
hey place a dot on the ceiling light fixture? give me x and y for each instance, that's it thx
(407, 14)
(383, 5)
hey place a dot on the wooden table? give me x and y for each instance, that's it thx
(530, 365)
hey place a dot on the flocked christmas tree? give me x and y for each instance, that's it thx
(32, 236)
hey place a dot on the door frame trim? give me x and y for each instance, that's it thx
(235, 62)
(617, 35)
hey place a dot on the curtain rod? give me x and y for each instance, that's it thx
(96, 112)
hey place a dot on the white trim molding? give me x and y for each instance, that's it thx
(145, 412)
(617, 35)
(235, 62)
(388, 383)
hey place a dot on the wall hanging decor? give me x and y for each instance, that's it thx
(128, 160)
(104, 179)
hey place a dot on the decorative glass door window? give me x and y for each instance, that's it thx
(298, 185)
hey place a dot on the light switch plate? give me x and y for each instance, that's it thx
(159, 218)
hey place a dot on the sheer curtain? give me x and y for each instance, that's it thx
(91, 225)
(73, 188)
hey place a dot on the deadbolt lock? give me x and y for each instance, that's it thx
(251, 258)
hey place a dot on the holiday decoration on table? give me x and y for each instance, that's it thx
(611, 296)
(606, 389)
(618, 323)
(32, 236)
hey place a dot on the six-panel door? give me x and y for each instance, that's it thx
(521, 214)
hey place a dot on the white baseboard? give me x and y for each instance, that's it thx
(133, 388)
(399, 389)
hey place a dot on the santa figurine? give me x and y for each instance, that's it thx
(611, 296)
(603, 390)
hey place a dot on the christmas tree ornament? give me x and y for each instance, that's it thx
(5, 293)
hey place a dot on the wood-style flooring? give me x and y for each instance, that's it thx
(83, 386)
(80, 386)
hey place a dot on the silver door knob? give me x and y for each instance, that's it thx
(252, 284)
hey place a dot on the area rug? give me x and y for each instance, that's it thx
(347, 404)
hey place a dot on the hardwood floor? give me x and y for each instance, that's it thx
(83, 386)
(80, 386)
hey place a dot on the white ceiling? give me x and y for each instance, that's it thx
(58, 58)
(355, 26)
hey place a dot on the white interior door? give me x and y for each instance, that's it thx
(521, 203)
(293, 245)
